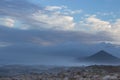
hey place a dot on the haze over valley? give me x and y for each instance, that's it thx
(59, 40)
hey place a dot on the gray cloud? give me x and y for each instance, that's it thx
(31, 44)
(53, 36)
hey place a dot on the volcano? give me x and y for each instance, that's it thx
(102, 57)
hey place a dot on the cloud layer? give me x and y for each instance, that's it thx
(52, 31)
(35, 46)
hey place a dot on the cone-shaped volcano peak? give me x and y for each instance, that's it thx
(102, 57)
(103, 54)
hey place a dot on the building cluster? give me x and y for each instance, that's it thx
(69, 74)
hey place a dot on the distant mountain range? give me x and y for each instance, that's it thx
(101, 58)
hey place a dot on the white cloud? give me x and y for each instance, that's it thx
(115, 30)
(54, 20)
(63, 10)
(72, 12)
(50, 17)
(106, 13)
(97, 24)
(94, 24)
(52, 8)
(8, 22)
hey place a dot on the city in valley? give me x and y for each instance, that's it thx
(94, 72)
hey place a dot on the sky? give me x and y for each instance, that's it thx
(57, 31)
